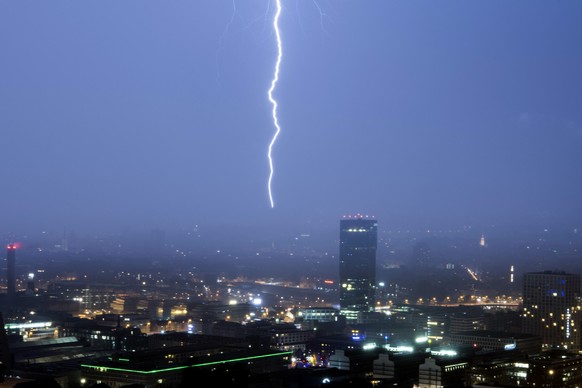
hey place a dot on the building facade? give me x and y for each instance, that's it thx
(444, 372)
(488, 340)
(358, 243)
(551, 308)
(554, 368)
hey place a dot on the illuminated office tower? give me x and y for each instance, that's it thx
(551, 308)
(11, 270)
(358, 242)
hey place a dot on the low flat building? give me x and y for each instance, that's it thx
(496, 340)
(172, 367)
(548, 369)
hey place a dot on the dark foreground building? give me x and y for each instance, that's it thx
(556, 368)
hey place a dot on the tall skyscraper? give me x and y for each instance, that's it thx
(551, 308)
(358, 242)
(11, 270)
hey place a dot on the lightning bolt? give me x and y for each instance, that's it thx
(272, 99)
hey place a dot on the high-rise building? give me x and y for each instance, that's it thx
(551, 308)
(421, 255)
(358, 242)
(11, 270)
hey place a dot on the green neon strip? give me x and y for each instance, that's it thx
(106, 368)
(240, 359)
(119, 359)
(181, 367)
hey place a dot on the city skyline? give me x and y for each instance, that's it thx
(290, 193)
(449, 114)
